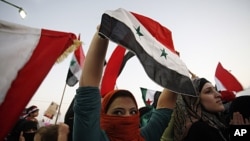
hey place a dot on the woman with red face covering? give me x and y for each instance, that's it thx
(116, 118)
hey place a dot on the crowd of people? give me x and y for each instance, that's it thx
(117, 117)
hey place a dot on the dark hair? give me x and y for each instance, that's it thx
(120, 93)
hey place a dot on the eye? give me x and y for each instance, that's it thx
(118, 112)
(133, 112)
(210, 91)
(207, 91)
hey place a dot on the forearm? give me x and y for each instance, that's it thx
(94, 62)
(167, 99)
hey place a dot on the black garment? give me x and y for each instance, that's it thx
(22, 125)
(69, 119)
(15, 132)
(201, 131)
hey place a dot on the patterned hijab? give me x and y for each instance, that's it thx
(120, 128)
(189, 110)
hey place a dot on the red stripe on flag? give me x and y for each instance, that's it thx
(79, 54)
(161, 33)
(227, 79)
(112, 70)
(51, 45)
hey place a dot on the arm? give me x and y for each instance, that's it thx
(93, 65)
(160, 118)
(167, 99)
(87, 104)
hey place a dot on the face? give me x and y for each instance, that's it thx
(122, 106)
(35, 114)
(211, 99)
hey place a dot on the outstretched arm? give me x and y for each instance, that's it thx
(167, 99)
(93, 66)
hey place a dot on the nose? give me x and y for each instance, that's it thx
(217, 94)
(127, 113)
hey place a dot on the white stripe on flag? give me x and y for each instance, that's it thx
(20, 39)
(76, 69)
(27, 54)
(161, 65)
(173, 62)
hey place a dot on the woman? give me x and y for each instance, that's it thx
(118, 116)
(198, 118)
(32, 113)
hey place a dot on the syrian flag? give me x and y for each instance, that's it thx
(152, 43)
(225, 81)
(150, 97)
(75, 68)
(27, 55)
(113, 68)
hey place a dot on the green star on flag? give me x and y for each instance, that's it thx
(163, 53)
(138, 31)
(124, 27)
(72, 62)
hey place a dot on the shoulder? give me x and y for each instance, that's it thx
(202, 131)
(201, 127)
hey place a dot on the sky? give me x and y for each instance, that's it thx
(204, 32)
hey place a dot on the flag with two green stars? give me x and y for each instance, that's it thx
(75, 68)
(153, 45)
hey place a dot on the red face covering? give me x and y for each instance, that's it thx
(120, 128)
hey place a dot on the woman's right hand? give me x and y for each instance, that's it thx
(239, 120)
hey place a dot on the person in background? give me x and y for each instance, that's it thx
(29, 129)
(23, 126)
(32, 113)
(117, 116)
(57, 132)
(198, 118)
(69, 119)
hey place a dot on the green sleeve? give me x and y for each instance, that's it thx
(87, 115)
(156, 124)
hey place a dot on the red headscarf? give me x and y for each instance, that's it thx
(120, 128)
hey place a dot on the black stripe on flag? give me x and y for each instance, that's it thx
(119, 33)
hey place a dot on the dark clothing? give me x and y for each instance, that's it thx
(201, 131)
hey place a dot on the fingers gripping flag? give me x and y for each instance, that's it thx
(152, 44)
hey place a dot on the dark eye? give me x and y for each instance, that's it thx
(208, 91)
(118, 112)
(133, 112)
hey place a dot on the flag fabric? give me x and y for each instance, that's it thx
(150, 97)
(225, 81)
(75, 68)
(245, 92)
(27, 54)
(113, 68)
(152, 43)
